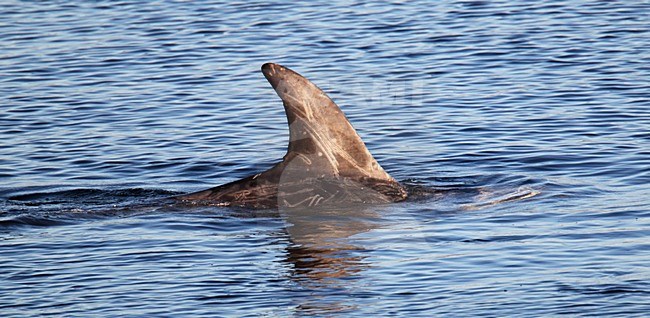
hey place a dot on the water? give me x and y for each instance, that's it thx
(529, 120)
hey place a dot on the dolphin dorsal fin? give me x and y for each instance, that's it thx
(321, 137)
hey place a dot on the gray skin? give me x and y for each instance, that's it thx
(326, 163)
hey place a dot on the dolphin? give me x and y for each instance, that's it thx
(326, 164)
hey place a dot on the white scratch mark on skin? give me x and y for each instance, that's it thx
(242, 195)
(308, 109)
(310, 199)
(316, 198)
(302, 112)
(324, 145)
(305, 158)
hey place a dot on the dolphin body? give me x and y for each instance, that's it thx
(326, 164)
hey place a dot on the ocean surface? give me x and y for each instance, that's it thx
(527, 124)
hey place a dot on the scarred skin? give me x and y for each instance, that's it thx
(326, 164)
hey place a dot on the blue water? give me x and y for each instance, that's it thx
(529, 120)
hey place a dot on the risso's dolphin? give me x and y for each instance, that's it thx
(326, 163)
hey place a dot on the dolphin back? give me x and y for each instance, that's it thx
(326, 162)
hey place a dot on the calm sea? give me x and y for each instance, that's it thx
(530, 121)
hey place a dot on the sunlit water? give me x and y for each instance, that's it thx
(529, 120)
